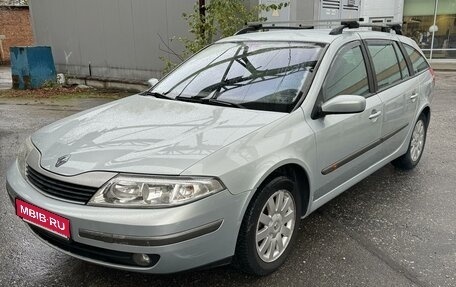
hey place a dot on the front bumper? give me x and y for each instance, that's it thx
(172, 233)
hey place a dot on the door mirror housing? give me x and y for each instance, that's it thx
(152, 82)
(344, 104)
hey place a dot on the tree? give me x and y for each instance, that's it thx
(13, 2)
(214, 20)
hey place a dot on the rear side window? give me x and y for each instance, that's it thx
(347, 75)
(385, 62)
(402, 63)
(419, 63)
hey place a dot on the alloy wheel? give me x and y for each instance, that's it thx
(417, 142)
(275, 226)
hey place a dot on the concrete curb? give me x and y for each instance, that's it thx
(109, 84)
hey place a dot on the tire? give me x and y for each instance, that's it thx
(415, 149)
(263, 256)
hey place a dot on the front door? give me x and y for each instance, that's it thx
(347, 144)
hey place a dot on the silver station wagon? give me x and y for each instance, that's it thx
(218, 161)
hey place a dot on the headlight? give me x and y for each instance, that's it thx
(23, 153)
(137, 191)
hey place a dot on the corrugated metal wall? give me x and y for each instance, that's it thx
(119, 38)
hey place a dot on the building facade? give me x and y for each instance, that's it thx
(385, 11)
(431, 23)
(124, 39)
(110, 39)
(15, 27)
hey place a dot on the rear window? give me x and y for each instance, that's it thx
(254, 75)
(419, 63)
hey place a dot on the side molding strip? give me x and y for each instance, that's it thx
(151, 240)
(358, 153)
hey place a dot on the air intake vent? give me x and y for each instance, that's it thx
(331, 4)
(60, 189)
(354, 8)
(351, 5)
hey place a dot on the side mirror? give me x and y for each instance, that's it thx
(344, 104)
(152, 82)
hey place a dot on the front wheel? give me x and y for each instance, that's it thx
(269, 228)
(416, 146)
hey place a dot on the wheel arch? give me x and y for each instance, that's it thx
(426, 111)
(298, 174)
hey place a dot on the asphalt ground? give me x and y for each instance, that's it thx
(392, 229)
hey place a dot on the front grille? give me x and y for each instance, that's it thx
(87, 251)
(60, 189)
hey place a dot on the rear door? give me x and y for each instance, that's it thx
(424, 80)
(396, 90)
(347, 144)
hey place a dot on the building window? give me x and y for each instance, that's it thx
(438, 41)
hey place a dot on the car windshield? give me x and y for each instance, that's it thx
(253, 75)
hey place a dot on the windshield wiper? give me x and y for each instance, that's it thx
(223, 103)
(210, 101)
(156, 95)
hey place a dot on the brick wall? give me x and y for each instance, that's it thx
(15, 25)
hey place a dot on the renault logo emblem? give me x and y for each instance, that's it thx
(62, 160)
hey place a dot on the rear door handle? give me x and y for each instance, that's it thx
(414, 96)
(375, 115)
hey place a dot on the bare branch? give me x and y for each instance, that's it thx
(169, 49)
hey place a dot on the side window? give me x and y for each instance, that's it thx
(385, 64)
(347, 75)
(419, 63)
(402, 63)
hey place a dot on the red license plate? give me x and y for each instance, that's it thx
(43, 218)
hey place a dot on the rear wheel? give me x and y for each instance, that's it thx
(269, 228)
(416, 146)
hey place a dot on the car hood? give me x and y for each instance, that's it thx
(142, 134)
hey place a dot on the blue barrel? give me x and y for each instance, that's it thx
(32, 67)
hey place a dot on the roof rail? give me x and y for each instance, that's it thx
(258, 27)
(305, 22)
(387, 27)
(310, 24)
(343, 25)
(279, 25)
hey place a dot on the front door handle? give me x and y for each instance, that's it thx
(375, 115)
(414, 96)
